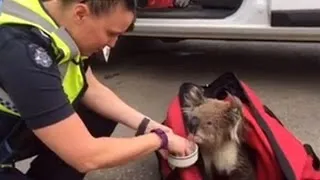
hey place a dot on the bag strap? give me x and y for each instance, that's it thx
(308, 148)
(283, 162)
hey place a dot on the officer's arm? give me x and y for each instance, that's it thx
(72, 142)
(104, 101)
(33, 82)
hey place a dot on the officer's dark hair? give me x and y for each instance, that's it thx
(98, 7)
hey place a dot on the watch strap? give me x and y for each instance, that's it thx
(163, 136)
(142, 126)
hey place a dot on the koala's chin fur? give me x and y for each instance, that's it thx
(219, 129)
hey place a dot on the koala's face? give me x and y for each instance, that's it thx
(213, 121)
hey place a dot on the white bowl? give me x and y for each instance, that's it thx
(185, 161)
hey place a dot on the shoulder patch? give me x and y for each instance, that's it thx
(40, 55)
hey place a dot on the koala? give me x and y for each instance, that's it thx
(219, 128)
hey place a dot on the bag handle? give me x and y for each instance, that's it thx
(316, 160)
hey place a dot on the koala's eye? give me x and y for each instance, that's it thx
(209, 123)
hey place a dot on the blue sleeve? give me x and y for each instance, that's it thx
(32, 80)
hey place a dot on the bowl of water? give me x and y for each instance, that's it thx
(184, 161)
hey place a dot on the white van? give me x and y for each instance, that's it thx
(261, 20)
(275, 20)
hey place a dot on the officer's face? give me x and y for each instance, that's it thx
(93, 33)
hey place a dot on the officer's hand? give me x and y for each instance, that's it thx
(155, 125)
(178, 145)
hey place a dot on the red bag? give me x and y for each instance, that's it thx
(279, 154)
(152, 4)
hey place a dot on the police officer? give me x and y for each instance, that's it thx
(52, 106)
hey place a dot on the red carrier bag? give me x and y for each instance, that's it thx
(155, 4)
(160, 4)
(278, 154)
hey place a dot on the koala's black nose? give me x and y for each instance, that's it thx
(193, 124)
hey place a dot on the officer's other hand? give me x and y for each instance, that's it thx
(155, 125)
(178, 145)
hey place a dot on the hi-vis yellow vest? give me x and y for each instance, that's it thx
(31, 12)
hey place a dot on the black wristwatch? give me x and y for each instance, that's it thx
(163, 136)
(142, 126)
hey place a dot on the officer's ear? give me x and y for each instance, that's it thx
(81, 11)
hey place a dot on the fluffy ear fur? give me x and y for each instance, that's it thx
(235, 113)
(235, 101)
(193, 98)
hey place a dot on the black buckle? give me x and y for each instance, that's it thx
(310, 151)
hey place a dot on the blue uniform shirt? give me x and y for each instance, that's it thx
(30, 75)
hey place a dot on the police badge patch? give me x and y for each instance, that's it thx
(40, 56)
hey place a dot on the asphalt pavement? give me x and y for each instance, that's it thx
(285, 76)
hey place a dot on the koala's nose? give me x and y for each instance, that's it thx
(193, 125)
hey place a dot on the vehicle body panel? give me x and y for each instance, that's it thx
(252, 21)
(295, 4)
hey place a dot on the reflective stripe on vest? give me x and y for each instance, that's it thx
(17, 10)
(31, 13)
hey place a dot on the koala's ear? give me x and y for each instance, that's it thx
(194, 97)
(235, 104)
